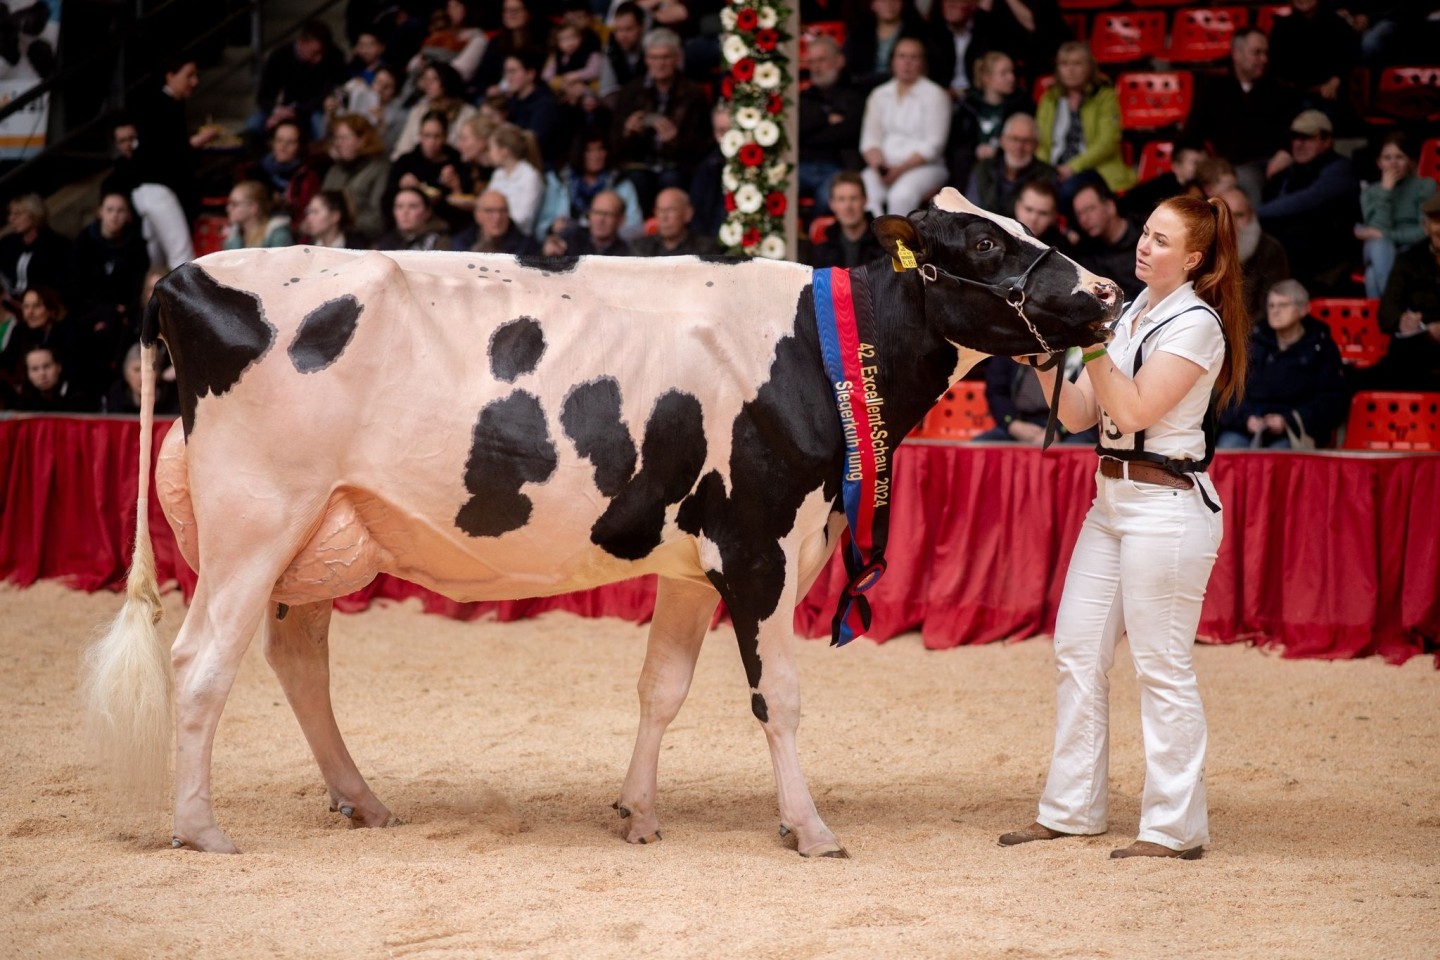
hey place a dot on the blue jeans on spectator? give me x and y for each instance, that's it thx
(1235, 440)
(813, 180)
(1379, 259)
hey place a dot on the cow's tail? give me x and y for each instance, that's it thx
(128, 678)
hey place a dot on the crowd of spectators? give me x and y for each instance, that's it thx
(571, 127)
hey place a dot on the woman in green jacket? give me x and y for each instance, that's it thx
(1079, 121)
(1391, 209)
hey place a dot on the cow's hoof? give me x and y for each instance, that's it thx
(212, 840)
(825, 848)
(621, 809)
(650, 838)
(379, 817)
(837, 853)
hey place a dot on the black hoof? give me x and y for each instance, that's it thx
(176, 843)
(620, 808)
(784, 830)
(348, 812)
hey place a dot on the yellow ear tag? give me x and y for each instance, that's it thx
(904, 259)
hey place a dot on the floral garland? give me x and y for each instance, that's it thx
(756, 175)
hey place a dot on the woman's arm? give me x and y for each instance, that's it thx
(1137, 404)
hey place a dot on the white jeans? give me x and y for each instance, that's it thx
(167, 232)
(1140, 567)
(906, 193)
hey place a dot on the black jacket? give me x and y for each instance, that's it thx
(834, 252)
(822, 141)
(1304, 383)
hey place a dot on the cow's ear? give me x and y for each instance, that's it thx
(900, 239)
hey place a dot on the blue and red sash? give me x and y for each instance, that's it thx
(845, 319)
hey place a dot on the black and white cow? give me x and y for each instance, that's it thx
(492, 427)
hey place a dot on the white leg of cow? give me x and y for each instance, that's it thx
(682, 615)
(298, 650)
(206, 656)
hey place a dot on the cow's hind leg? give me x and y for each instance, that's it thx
(298, 650)
(682, 615)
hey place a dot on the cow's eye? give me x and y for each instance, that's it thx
(984, 245)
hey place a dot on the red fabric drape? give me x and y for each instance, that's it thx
(1325, 555)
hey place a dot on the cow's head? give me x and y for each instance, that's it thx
(992, 287)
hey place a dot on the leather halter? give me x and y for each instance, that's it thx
(1011, 289)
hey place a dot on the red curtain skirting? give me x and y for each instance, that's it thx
(1329, 555)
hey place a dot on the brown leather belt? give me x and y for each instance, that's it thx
(1142, 472)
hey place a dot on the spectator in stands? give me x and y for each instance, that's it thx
(903, 134)
(422, 168)
(1313, 50)
(1108, 240)
(1079, 119)
(296, 80)
(1029, 30)
(47, 389)
(161, 218)
(1215, 175)
(532, 106)
(286, 169)
(329, 221)
(1262, 259)
(459, 42)
(1295, 393)
(493, 231)
(32, 254)
(413, 229)
(252, 221)
(707, 190)
(1183, 177)
(661, 128)
(569, 193)
(870, 40)
(849, 241)
(360, 171)
(441, 92)
(367, 58)
(1391, 211)
(165, 151)
(1038, 209)
(389, 113)
(995, 182)
(1019, 408)
(601, 237)
(980, 113)
(1310, 204)
(519, 30)
(1243, 114)
(951, 39)
(1410, 312)
(573, 67)
(624, 57)
(517, 174)
(44, 323)
(124, 393)
(831, 109)
(673, 236)
(106, 273)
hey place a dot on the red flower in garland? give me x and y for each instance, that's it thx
(744, 70)
(751, 237)
(747, 19)
(729, 203)
(775, 204)
(766, 39)
(751, 154)
(775, 105)
(727, 88)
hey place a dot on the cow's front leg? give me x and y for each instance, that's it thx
(298, 650)
(682, 615)
(767, 649)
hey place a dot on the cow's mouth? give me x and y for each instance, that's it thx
(1104, 328)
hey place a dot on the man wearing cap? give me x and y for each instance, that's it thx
(1311, 203)
(1410, 311)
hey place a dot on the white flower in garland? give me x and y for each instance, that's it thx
(772, 248)
(727, 18)
(729, 181)
(747, 117)
(749, 199)
(735, 49)
(776, 173)
(768, 19)
(730, 232)
(767, 133)
(767, 76)
(731, 142)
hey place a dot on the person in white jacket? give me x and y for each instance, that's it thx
(903, 134)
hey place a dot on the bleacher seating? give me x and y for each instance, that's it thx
(1127, 37)
(1428, 163)
(1154, 99)
(962, 414)
(1355, 328)
(1155, 159)
(1408, 93)
(1203, 35)
(1394, 421)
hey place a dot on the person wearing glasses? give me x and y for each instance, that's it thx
(996, 182)
(494, 231)
(1311, 203)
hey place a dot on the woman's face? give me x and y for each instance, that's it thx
(514, 15)
(344, 143)
(432, 140)
(568, 40)
(470, 146)
(595, 157)
(1072, 71)
(320, 220)
(429, 84)
(499, 156)
(886, 11)
(1163, 256)
(241, 207)
(114, 215)
(285, 143)
(33, 310)
(384, 86)
(1001, 78)
(455, 11)
(1393, 161)
(410, 212)
(21, 219)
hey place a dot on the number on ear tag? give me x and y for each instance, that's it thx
(904, 259)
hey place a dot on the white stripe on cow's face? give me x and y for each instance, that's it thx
(953, 201)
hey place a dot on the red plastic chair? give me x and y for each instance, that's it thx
(652, 226)
(962, 414)
(1127, 37)
(1202, 35)
(1042, 84)
(834, 29)
(1408, 93)
(1088, 4)
(1155, 159)
(1152, 100)
(818, 226)
(1401, 422)
(1266, 13)
(209, 233)
(1428, 163)
(1355, 327)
